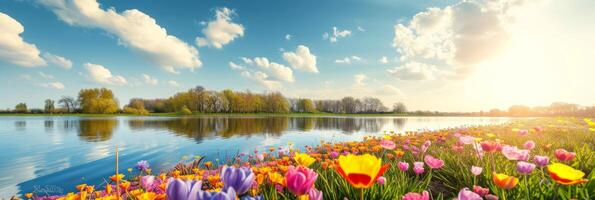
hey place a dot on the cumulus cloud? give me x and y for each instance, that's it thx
(220, 31)
(133, 28)
(268, 74)
(150, 80)
(416, 71)
(301, 59)
(235, 66)
(359, 80)
(13, 48)
(173, 83)
(288, 36)
(454, 38)
(383, 60)
(348, 60)
(276, 70)
(336, 34)
(262, 79)
(58, 60)
(102, 75)
(54, 85)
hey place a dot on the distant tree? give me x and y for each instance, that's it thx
(349, 105)
(136, 106)
(399, 107)
(20, 108)
(185, 111)
(305, 105)
(68, 103)
(49, 106)
(519, 110)
(98, 100)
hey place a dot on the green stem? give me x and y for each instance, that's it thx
(527, 187)
(361, 192)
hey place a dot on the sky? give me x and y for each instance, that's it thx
(443, 55)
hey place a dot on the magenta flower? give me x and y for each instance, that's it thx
(403, 166)
(381, 180)
(314, 194)
(466, 194)
(513, 153)
(541, 161)
(491, 197)
(334, 154)
(523, 132)
(425, 146)
(418, 167)
(475, 170)
(467, 139)
(525, 167)
(529, 145)
(434, 163)
(148, 183)
(299, 180)
(564, 155)
(480, 190)
(417, 196)
(388, 144)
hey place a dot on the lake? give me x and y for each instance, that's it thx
(54, 154)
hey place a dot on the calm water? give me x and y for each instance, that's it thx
(53, 154)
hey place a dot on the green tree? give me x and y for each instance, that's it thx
(49, 106)
(306, 105)
(20, 108)
(98, 101)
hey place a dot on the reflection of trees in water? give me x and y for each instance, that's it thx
(96, 130)
(399, 123)
(20, 125)
(199, 128)
(48, 125)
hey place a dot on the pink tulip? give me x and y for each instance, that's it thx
(529, 145)
(381, 180)
(513, 153)
(491, 197)
(403, 166)
(334, 154)
(467, 139)
(314, 194)
(425, 146)
(564, 155)
(466, 194)
(523, 132)
(541, 161)
(388, 144)
(299, 180)
(417, 196)
(476, 170)
(418, 167)
(434, 163)
(525, 167)
(480, 190)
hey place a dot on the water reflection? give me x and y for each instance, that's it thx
(96, 130)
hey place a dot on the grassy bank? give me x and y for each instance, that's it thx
(208, 114)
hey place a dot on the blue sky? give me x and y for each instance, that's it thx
(425, 59)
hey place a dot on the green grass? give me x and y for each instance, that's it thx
(208, 114)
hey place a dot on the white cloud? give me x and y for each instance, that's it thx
(220, 31)
(173, 83)
(150, 80)
(58, 60)
(389, 90)
(301, 59)
(26, 77)
(44, 75)
(383, 60)
(336, 34)
(13, 48)
(55, 85)
(416, 71)
(360, 29)
(102, 75)
(359, 80)
(288, 37)
(262, 79)
(235, 66)
(456, 37)
(348, 60)
(247, 60)
(276, 70)
(133, 28)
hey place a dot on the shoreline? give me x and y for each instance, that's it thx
(249, 115)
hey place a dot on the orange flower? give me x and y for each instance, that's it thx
(29, 195)
(361, 171)
(504, 181)
(81, 187)
(117, 177)
(399, 153)
(125, 185)
(565, 174)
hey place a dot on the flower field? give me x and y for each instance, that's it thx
(543, 158)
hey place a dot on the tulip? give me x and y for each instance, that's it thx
(225, 194)
(403, 166)
(417, 196)
(334, 154)
(304, 159)
(381, 180)
(504, 181)
(142, 165)
(491, 197)
(434, 163)
(251, 198)
(418, 167)
(29, 195)
(117, 177)
(467, 139)
(476, 170)
(563, 155)
(513, 153)
(565, 174)
(240, 179)
(299, 180)
(183, 190)
(490, 146)
(388, 144)
(425, 146)
(523, 132)
(525, 167)
(314, 194)
(480, 190)
(466, 194)
(361, 171)
(541, 160)
(529, 145)
(147, 182)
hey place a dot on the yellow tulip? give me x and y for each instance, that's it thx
(303, 159)
(361, 171)
(565, 174)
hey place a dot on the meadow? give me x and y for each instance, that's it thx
(541, 158)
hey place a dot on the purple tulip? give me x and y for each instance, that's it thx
(225, 194)
(334, 154)
(147, 182)
(525, 167)
(418, 167)
(183, 190)
(314, 194)
(529, 145)
(403, 166)
(466, 194)
(299, 180)
(251, 198)
(542, 161)
(142, 165)
(240, 179)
